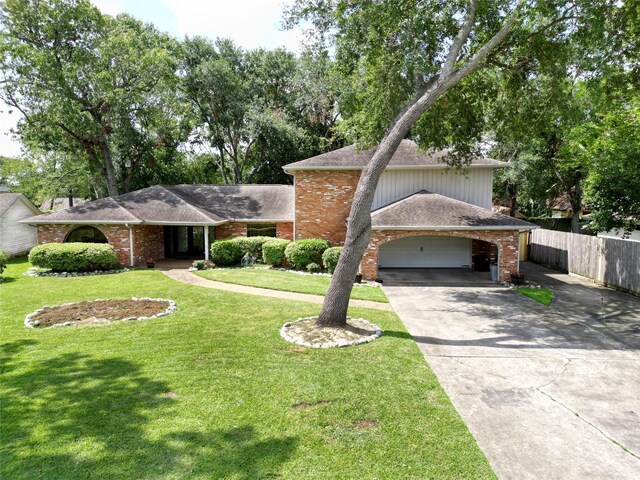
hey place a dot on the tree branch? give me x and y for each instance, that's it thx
(461, 39)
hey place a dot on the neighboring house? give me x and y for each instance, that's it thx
(424, 214)
(634, 235)
(60, 203)
(561, 208)
(16, 238)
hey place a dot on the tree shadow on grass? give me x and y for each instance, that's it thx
(79, 416)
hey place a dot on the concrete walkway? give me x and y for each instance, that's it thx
(185, 276)
(548, 392)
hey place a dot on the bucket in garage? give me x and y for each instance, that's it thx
(494, 272)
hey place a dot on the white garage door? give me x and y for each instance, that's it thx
(426, 252)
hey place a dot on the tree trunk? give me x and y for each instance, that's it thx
(336, 302)
(576, 202)
(109, 172)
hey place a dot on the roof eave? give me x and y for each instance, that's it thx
(454, 227)
(389, 167)
(80, 222)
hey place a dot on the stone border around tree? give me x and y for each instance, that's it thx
(34, 273)
(169, 310)
(286, 335)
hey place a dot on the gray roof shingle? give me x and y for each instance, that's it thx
(408, 155)
(183, 204)
(7, 199)
(430, 211)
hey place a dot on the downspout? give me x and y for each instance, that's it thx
(131, 256)
(206, 242)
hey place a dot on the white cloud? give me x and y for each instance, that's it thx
(8, 146)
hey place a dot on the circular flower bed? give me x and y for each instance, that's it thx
(45, 272)
(305, 332)
(99, 311)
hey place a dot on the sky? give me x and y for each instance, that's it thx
(249, 23)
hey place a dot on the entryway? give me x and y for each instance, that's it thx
(184, 242)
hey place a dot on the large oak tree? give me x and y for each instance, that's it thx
(420, 64)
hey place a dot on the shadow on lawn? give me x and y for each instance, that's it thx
(77, 416)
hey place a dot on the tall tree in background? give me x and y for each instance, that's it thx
(86, 83)
(252, 111)
(409, 55)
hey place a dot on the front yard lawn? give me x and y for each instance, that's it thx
(541, 295)
(287, 281)
(212, 391)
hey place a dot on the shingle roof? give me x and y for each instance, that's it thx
(183, 204)
(408, 155)
(7, 199)
(59, 203)
(430, 211)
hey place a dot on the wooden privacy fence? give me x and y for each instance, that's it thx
(608, 261)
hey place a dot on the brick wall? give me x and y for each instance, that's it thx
(117, 236)
(506, 241)
(228, 230)
(148, 243)
(284, 230)
(148, 240)
(323, 202)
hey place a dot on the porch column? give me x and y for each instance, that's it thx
(131, 256)
(206, 242)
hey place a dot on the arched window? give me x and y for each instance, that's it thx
(86, 234)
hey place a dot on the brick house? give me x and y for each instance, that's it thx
(424, 215)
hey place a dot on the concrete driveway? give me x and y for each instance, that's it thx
(548, 392)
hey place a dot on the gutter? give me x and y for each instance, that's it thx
(393, 167)
(455, 227)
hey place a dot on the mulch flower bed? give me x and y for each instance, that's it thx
(99, 311)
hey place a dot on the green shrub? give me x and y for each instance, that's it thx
(273, 252)
(73, 257)
(225, 252)
(330, 258)
(202, 264)
(313, 268)
(252, 245)
(301, 253)
(3, 261)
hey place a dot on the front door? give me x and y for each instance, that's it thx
(183, 242)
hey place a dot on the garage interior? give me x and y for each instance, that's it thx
(436, 260)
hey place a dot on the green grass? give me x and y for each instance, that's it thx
(289, 282)
(208, 392)
(541, 295)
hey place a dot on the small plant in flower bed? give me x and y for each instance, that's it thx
(313, 268)
(202, 264)
(73, 257)
(301, 253)
(225, 252)
(330, 258)
(273, 252)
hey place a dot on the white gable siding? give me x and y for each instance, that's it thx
(17, 238)
(474, 188)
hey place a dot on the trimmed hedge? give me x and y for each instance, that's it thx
(301, 253)
(252, 245)
(330, 258)
(273, 252)
(3, 261)
(74, 257)
(225, 252)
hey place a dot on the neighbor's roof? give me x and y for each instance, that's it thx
(8, 199)
(431, 211)
(408, 155)
(183, 205)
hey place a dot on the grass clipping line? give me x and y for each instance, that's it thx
(99, 311)
(304, 332)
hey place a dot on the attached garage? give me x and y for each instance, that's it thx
(426, 251)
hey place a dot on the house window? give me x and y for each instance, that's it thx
(86, 234)
(261, 229)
